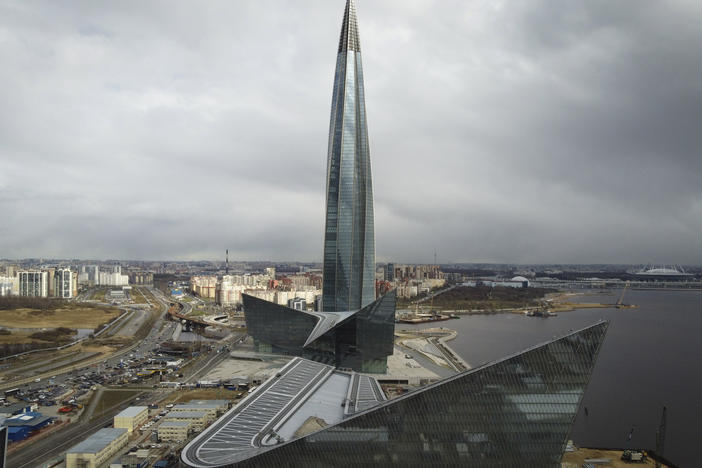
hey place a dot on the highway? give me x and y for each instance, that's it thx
(54, 444)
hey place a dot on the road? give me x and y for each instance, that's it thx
(49, 447)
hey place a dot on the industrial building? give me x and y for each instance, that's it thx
(199, 419)
(174, 431)
(213, 408)
(131, 418)
(22, 425)
(97, 449)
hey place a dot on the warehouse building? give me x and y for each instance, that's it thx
(199, 419)
(222, 405)
(212, 407)
(22, 425)
(97, 449)
(132, 417)
(174, 431)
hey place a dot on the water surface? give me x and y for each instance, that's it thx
(652, 356)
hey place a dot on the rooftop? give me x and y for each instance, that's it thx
(131, 411)
(209, 402)
(187, 414)
(195, 406)
(26, 419)
(98, 441)
(174, 424)
(281, 406)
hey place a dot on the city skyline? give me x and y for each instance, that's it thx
(535, 134)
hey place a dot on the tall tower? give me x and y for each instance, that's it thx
(349, 243)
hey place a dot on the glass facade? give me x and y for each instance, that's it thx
(349, 243)
(515, 412)
(275, 328)
(359, 340)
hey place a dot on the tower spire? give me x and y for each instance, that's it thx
(349, 29)
(349, 242)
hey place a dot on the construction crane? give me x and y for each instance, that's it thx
(660, 437)
(620, 304)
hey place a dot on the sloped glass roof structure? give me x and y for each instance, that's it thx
(359, 340)
(517, 411)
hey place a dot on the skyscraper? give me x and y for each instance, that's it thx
(353, 330)
(349, 243)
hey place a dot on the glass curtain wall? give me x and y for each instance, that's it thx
(515, 412)
(349, 244)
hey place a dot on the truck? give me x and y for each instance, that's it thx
(633, 456)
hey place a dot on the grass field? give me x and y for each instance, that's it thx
(70, 317)
(147, 295)
(111, 398)
(202, 394)
(484, 297)
(137, 296)
(18, 337)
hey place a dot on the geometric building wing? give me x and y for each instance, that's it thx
(517, 411)
(282, 326)
(360, 339)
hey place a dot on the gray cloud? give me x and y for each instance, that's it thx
(520, 131)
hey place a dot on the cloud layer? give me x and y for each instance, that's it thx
(520, 131)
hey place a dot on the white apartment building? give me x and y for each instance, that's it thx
(204, 286)
(113, 279)
(33, 283)
(9, 286)
(63, 283)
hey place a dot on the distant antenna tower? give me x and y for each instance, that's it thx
(434, 256)
(226, 269)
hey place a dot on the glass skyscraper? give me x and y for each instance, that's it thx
(349, 243)
(353, 329)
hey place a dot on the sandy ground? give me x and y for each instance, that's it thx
(183, 396)
(241, 367)
(577, 458)
(69, 318)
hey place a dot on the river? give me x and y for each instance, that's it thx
(651, 357)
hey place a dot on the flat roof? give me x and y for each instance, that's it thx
(98, 441)
(209, 402)
(194, 406)
(174, 424)
(131, 411)
(186, 414)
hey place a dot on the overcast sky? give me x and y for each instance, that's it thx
(517, 131)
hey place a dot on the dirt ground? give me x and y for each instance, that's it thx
(136, 296)
(202, 394)
(85, 317)
(19, 337)
(577, 458)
